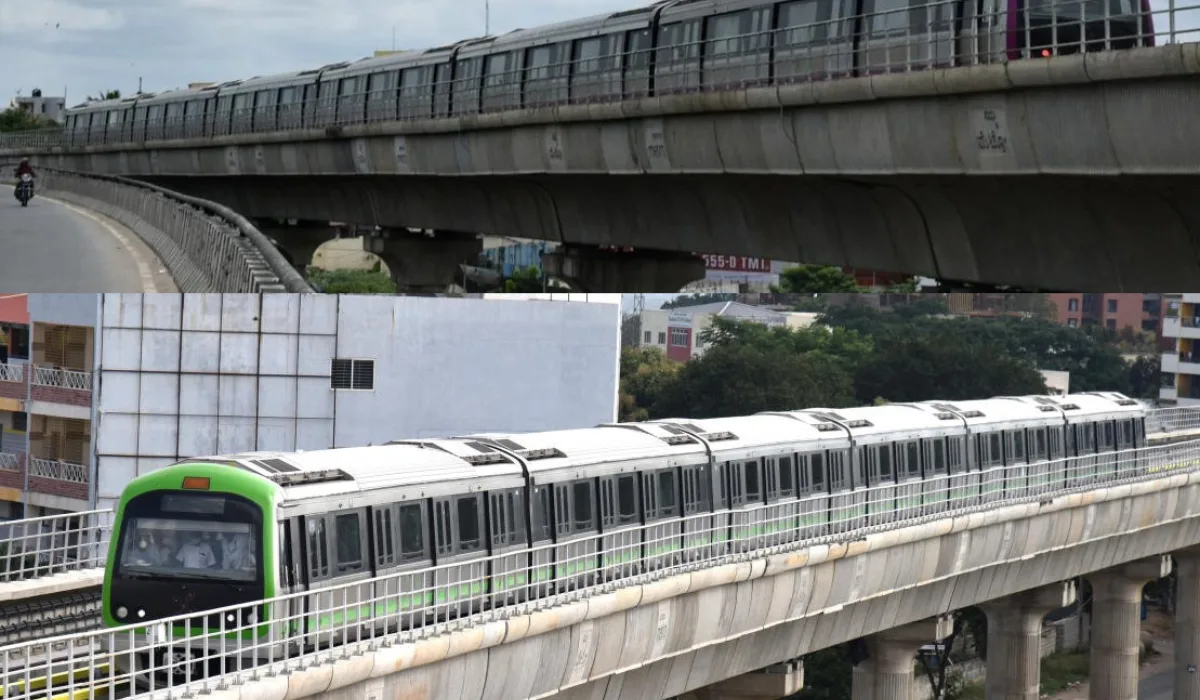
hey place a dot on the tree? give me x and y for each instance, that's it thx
(828, 675)
(697, 299)
(17, 119)
(105, 95)
(808, 279)
(1144, 377)
(529, 281)
(371, 281)
(646, 374)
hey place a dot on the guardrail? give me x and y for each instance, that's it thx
(912, 36)
(35, 547)
(1158, 420)
(206, 246)
(187, 654)
(62, 378)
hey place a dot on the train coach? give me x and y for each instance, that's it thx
(482, 521)
(667, 47)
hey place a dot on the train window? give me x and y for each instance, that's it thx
(411, 520)
(515, 500)
(1125, 436)
(726, 33)
(880, 463)
(288, 95)
(466, 85)
(541, 513)
(1085, 438)
(382, 85)
(995, 452)
(1054, 443)
(582, 506)
(807, 22)
(1039, 444)
(668, 498)
(627, 499)
(241, 102)
(839, 477)
(637, 63)
(318, 549)
(442, 89)
(1016, 444)
(1107, 435)
(562, 510)
(443, 527)
(888, 16)
(500, 522)
(539, 62)
(1072, 446)
(385, 548)
(349, 542)
(937, 447)
(1139, 432)
(787, 477)
(752, 472)
(467, 510)
(913, 465)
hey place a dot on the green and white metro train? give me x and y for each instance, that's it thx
(565, 507)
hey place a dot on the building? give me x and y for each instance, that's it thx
(677, 331)
(1181, 363)
(40, 106)
(117, 385)
(1138, 312)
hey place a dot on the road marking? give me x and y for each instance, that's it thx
(149, 286)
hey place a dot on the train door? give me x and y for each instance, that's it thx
(847, 492)
(989, 447)
(576, 530)
(910, 487)
(664, 529)
(1086, 463)
(981, 35)
(745, 487)
(698, 522)
(403, 563)
(337, 555)
(510, 556)
(1126, 445)
(1039, 470)
(1107, 460)
(783, 508)
(541, 534)
(1016, 471)
(290, 630)
(964, 481)
(935, 486)
(881, 482)
(813, 491)
(620, 523)
(460, 576)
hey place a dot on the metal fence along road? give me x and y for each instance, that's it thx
(181, 656)
(504, 77)
(206, 246)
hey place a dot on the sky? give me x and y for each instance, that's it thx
(88, 46)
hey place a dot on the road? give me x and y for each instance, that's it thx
(1160, 686)
(52, 246)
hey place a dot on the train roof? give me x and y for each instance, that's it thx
(750, 437)
(1090, 406)
(1010, 412)
(895, 421)
(560, 455)
(432, 465)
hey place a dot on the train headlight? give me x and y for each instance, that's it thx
(250, 617)
(141, 612)
(122, 612)
(230, 618)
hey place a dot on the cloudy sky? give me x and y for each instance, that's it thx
(93, 45)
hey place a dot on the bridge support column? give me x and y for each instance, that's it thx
(887, 673)
(299, 241)
(421, 262)
(1187, 625)
(589, 269)
(1014, 640)
(1117, 626)
(770, 683)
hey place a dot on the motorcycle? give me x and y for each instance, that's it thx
(25, 189)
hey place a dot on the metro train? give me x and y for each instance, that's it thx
(667, 47)
(506, 518)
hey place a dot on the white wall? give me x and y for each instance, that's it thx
(190, 375)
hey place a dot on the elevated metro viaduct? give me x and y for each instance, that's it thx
(1088, 184)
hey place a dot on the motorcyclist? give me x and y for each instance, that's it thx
(24, 167)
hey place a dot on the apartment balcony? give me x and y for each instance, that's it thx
(1170, 362)
(1190, 298)
(13, 383)
(1168, 393)
(63, 393)
(1189, 327)
(56, 477)
(12, 474)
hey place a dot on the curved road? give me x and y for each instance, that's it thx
(53, 246)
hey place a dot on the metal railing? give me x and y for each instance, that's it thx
(206, 246)
(62, 378)
(1159, 420)
(12, 373)
(180, 656)
(934, 35)
(36, 547)
(59, 470)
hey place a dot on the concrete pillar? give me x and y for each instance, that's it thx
(771, 683)
(1187, 625)
(420, 262)
(589, 269)
(1014, 640)
(887, 673)
(297, 241)
(1117, 626)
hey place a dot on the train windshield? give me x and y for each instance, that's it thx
(186, 536)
